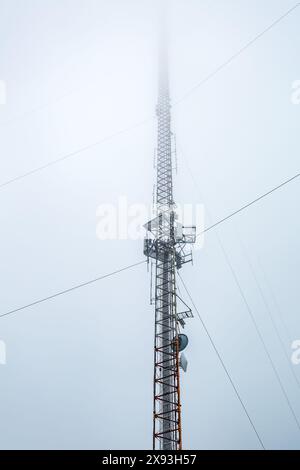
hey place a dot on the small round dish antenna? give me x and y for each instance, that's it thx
(183, 341)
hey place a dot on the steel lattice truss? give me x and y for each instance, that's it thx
(168, 252)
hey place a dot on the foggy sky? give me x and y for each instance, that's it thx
(80, 367)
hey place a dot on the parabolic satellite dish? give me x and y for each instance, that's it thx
(183, 341)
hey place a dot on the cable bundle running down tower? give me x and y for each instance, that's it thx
(167, 244)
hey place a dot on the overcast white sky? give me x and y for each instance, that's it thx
(79, 368)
